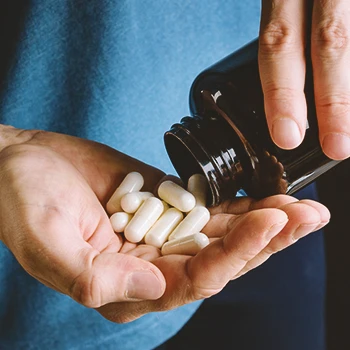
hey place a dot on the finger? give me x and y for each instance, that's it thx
(214, 266)
(145, 252)
(244, 204)
(194, 278)
(238, 205)
(219, 224)
(281, 201)
(331, 60)
(115, 277)
(58, 254)
(108, 276)
(282, 69)
(304, 218)
(323, 211)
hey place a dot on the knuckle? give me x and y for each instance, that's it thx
(120, 316)
(339, 103)
(241, 255)
(20, 137)
(86, 290)
(240, 274)
(332, 35)
(273, 92)
(286, 240)
(270, 250)
(277, 36)
(198, 289)
(204, 293)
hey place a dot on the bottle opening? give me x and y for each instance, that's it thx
(188, 158)
(181, 157)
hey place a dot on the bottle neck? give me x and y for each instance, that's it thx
(204, 145)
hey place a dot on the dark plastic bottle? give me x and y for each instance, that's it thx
(226, 138)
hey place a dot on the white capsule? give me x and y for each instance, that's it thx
(161, 230)
(198, 186)
(149, 212)
(119, 221)
(131, 183)
(176, 196)
(189, 245)
(130, 202)
(195, 220)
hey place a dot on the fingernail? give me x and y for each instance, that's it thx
(336, 145)
(286, 133)
(143, 285)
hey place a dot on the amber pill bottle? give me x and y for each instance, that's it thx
(226, 138)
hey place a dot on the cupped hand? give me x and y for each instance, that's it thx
(244, 233)
(289, 28)
(53, 191)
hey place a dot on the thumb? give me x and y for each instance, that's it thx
(116, 277)
(91, 277)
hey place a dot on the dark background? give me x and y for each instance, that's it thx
(334, 192)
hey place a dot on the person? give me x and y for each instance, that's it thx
(114, 73)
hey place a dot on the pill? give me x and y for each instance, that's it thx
(130, 202)
(198, 186)
(195, 220)
(189, 245)
(131, 183)
(161, 230)
(176, 196)
(119, 221)
(149, 212)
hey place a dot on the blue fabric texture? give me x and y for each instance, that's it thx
(119, 72)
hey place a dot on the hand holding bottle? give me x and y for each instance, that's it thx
(288, 30)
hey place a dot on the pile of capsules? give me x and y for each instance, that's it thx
(171, 222)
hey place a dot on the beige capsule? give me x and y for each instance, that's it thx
(176, 196)
(198, 186)
(119, 221)
(132, 201)
(189, 245)
(195, 220)
(161, 230)
(132, 182)
(145, 217)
